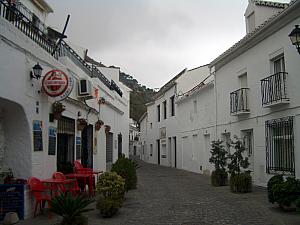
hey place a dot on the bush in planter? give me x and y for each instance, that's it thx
(126, 168)
(240, 180)
(286, 193)
(241, 183)
(219, 159)
(277, 179)
(110, 190)
(71, 208)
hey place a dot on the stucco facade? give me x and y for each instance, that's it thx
(22, 102)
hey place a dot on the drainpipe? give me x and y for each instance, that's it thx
(213, 72)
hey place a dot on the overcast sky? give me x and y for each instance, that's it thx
(152, 40)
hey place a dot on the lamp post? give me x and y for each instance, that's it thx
(295, 37)
(36, 72)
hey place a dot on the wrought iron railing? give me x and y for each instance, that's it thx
(26, 26)
(273, 89)
(280, 156)
(239, 101)
(18, 15)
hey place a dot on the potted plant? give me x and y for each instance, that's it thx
(240, 179)
(98, 124)
(81, 123)
(218, 158)
(126, 168)
(107, 128)
(110, 191)
(71, 208)
(284, 192)
(101, 101)
(57, 109)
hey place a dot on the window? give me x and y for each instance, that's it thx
(150, 125)
(280, 146)
(172, 105)
(158, 113)
(165, 109)
(248, 142)
(278, 64)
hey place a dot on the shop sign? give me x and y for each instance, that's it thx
(57, 84)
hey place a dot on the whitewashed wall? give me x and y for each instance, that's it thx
(256, 62)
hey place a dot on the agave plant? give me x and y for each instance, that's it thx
(71, 208)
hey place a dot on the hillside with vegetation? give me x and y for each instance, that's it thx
(139, 96)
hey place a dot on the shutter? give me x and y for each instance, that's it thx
(109, 147)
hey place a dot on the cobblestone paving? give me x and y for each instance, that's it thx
(170, 196)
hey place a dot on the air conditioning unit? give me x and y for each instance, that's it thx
(85, 89)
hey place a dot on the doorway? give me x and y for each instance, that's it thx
(87, 147)
(65, 144)
(119, 145)
(175, 152)
(158, 151)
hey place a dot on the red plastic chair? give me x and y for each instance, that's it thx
(74, 189)
(40, 193)
(80, 169)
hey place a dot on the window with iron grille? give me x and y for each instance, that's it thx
(280, 146)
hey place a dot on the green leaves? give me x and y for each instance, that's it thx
(218, 155)
(70, 207)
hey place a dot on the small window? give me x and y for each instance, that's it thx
(172, 105)
(165, 109)
(158, 113)
(150, 125)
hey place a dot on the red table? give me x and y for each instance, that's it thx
(56, 183)
(87, 179)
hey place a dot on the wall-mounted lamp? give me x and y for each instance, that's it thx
(36, 72)
(295, 37)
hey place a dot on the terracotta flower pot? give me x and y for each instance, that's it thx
(107, 128)
(81, 124)
(98, 125)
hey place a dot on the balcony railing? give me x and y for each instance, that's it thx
(273, 89)
(239, 102)
(23, 19)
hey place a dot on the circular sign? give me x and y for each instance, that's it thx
(57, 84)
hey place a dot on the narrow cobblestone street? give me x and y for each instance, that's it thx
(170, 196)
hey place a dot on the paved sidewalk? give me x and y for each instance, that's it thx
(170, 196)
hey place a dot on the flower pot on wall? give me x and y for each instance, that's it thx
(81, 124)
(98, 125)
(57, 109)
(107, 128)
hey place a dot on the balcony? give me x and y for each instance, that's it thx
(25, 21)
(239, 103)
(273, 90)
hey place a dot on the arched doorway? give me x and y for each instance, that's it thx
(15, 139)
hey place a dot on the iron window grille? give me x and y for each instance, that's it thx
(239, 101)
(280, 156)
(273, 89)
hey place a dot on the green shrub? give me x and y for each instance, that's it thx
(126, 168)
(287, 192)
(277, 179)
(240, 179)
(241, 183)
(71, 208)
(110, 190)
(219, 178)
(219, 159)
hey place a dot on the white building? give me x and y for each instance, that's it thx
(252, 93)
(160, 126)
(135, 150)
(32, 142)
(257, 94)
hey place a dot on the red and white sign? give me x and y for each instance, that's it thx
(57, 84)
